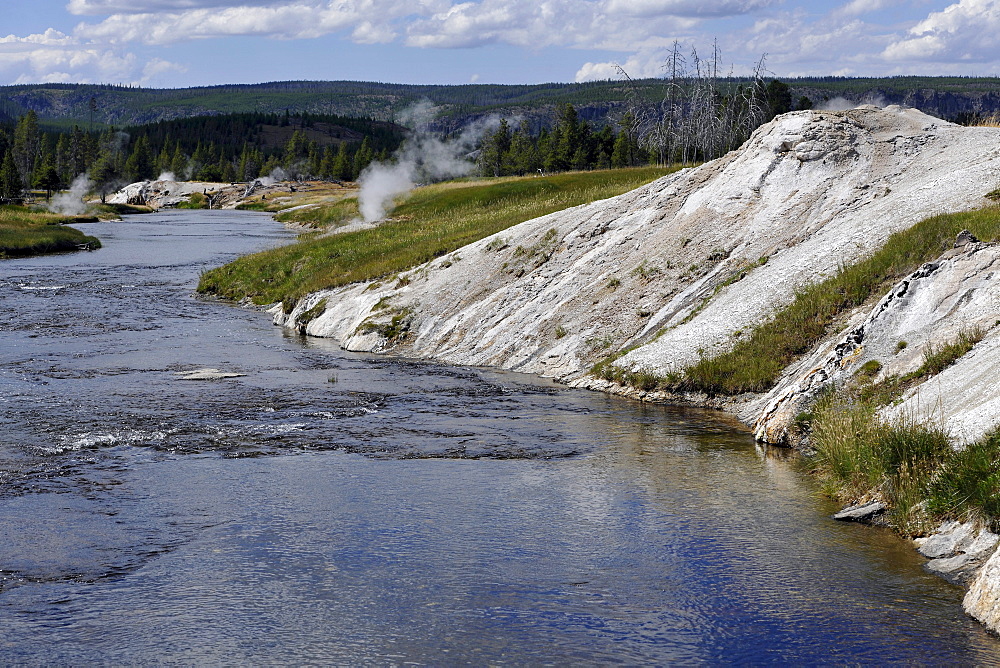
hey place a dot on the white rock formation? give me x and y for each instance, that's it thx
(159, 194)
(931, 307)
(809, 191)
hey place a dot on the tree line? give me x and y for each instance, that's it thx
(697, 121)
(227, 148)
(700, 116)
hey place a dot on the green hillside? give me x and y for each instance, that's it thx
(597, 102)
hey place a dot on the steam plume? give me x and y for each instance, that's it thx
(423, 157)
(70, 203)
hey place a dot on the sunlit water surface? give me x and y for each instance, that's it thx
(334, 508)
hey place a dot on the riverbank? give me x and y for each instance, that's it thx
(684, 269)
(25, 232)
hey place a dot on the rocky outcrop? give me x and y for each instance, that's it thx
(681, 267)
(930, 307)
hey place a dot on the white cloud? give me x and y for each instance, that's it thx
(305, 19)
(66, 62)
(593, 24)
(104, 7)
(964, 32)
(158, 66)
(49, 37)
(686, 8)
(860, 7)
(639, 66)
(801, 37)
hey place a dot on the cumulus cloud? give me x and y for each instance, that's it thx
(158, 66)
(965, 32)
(613, 24)
(305, 19)
(65, 62)
(54, 57)
(860, 7)
(104, 7)
(800, 37)
(639, 66)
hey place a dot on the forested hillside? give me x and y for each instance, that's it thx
(50, 134)
(599, 102)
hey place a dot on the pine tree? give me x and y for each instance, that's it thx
(46, 176)
(139, 165)
(179, 164)
(363, 157)
(524, 156)
(342, 164)
(495, 146)
(27, 146)
(10, 180)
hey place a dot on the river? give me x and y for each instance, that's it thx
(326, 507)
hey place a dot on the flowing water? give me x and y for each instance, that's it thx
(325, 507)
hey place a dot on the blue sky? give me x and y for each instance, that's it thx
(175, 43)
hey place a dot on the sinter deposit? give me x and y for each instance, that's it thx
(682, 267)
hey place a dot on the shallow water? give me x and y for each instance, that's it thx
(335, 508)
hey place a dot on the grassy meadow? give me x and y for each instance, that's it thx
(432, 221)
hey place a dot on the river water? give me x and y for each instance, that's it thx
(327, 507)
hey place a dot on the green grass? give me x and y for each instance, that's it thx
(24, 232)
(756, 361)
(334, 214)
(259, 206)
(195, 201)
(911, 467)
(433, 221)
(862, 457)
(967, 487)
(937, 358)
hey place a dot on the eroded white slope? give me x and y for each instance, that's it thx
(816, 192)
(809, 191)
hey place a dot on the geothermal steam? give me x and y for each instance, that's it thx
(70, 203)
(424, 157)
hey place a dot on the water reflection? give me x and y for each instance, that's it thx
(408, 512)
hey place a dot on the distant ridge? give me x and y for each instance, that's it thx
(599, 102)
